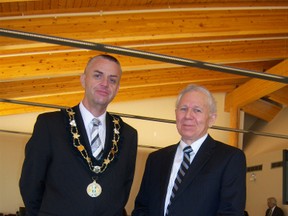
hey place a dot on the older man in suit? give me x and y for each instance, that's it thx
(211, 176)
(63, 173)
(273, 209)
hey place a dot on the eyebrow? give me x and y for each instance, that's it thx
(112, 75)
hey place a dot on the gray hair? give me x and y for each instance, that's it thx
(272, 200)
(197, 88)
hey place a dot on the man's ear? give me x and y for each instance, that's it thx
(82, 79)
(212, 119)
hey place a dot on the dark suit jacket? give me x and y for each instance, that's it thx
(55, 176)
(277, 212)
(214, 185)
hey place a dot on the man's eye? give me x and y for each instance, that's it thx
(183, 109)
(197, 110)
(97, 76)
(113, 81)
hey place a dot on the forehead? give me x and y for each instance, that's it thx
(104, 65)
(193, 98)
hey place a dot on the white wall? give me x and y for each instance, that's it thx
(150, 132)
(262, 144)
(163, 134)
(11, 159)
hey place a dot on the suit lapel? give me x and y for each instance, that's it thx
(81, 128)
(81, 131)
(109, 134)
(199, 161)
(165, 172)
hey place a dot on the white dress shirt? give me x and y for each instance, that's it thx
(177, 162)
(87, 118)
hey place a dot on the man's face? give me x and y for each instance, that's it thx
(270, 204)
(101, 81)
(193, 116)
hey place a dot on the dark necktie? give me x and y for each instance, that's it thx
(180, 175)
(95, 139)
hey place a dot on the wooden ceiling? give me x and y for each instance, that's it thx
(247, 34)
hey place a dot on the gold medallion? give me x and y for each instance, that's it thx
(94, 189)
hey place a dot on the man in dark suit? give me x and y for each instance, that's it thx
(214, 183)
(273, 209)
(61, 175)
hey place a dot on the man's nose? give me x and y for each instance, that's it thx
(104, 81)
(189, 113)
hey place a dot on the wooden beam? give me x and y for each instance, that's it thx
(254, 89)
(280, 96)
(234, 123)
(249, 92)
(262, 109)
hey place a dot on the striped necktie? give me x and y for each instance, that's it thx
(180, 175)
(96, 147)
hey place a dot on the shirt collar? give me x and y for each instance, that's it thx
(88, 116)
(195, 145)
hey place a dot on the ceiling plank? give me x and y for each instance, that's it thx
(10, 1)
(130, 80)
(156, 27)
(28, 8)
